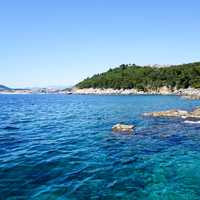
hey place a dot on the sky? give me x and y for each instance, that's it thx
(60, 42)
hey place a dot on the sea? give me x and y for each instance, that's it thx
(61, 147)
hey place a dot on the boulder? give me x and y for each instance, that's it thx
(123, 128)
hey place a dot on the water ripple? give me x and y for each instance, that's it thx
(62, 147)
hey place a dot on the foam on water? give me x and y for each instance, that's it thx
(191, 122)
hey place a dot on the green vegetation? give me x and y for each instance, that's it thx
(144, 78)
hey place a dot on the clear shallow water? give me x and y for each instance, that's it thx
(62, 147)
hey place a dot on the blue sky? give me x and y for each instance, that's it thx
(60, 42)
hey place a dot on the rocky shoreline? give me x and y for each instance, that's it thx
(189, 93)
(110, 91)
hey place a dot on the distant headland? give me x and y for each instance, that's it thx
(43, 90)
(156, 79)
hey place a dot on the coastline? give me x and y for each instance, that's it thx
(29, 91)
(110, 91)
(189, 93)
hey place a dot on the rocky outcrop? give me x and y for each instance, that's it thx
(165, 90)
(189, 93)
(168, 113)
(195, 114)
(123, 128)
(176, 113)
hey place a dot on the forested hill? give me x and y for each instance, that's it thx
(146, 77)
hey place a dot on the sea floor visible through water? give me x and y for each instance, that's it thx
(59, 147)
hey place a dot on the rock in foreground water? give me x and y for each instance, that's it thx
(195, 112)
(176, 113)
(123, 128)
(168, 113)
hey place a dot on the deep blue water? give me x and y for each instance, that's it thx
(62, 147)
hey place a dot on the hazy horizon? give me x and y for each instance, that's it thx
(61, 43)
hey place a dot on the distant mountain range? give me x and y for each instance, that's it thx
(50, 88)
(3, 87)
(6, 90)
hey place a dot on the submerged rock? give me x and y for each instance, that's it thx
(123, 128)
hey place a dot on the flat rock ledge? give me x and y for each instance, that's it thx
(123, 128)
(195, 114)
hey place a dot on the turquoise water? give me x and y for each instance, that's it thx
(62, 147)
